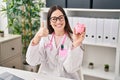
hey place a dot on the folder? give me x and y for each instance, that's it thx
(70, 20)
(75, 21)
(82, 20)
(92, 30)
(85, 21)
(107, 30)
(114, 31)
(99, 30)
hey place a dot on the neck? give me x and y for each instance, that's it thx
(59, 33)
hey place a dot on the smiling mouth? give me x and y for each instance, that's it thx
(58, 26)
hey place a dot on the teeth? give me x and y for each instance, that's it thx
(58, 25)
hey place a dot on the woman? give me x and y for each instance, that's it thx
(56, 48)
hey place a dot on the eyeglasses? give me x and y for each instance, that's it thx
(54, 19)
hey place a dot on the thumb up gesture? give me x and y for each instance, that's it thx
(42, 32)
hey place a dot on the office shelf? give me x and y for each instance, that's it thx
(98, 53)
(100, 73)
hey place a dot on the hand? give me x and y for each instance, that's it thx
(78, 38)
(42, 32)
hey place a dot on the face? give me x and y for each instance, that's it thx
(57, 21)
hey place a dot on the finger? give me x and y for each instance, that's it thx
(45, 34)
(42, 24)
(85, 29)
(45, 23)
(74, 31)
(46, 31)
(83, 35)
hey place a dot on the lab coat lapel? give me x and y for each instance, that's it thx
(59, 45)
(56, 48)
(54, 44)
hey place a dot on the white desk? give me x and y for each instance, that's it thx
(117, 78)
(30, 75)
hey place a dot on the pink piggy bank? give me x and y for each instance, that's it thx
(79, 28)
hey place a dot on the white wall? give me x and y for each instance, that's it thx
(3, 19)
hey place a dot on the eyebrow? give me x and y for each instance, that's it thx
(56, 16)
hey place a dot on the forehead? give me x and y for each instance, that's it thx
(56, 13)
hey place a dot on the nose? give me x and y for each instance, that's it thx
(58, 20)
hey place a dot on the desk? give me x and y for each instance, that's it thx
(117, 78)
(30, 75)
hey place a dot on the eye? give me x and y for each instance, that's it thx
(54, 18)
(61, 17)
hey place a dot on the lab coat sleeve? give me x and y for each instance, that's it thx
(35, 54)
(73, 60)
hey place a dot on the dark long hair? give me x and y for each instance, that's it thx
(67, 26)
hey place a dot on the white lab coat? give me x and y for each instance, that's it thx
(52, 64)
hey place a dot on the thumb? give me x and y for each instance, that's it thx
(42, 24)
